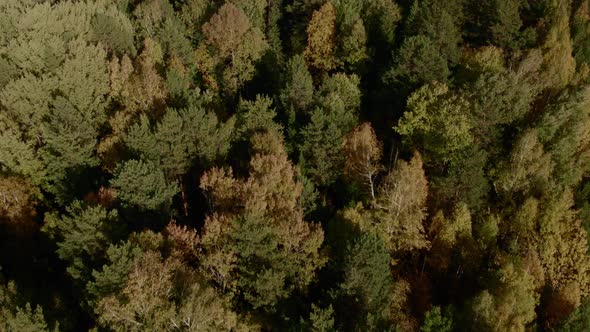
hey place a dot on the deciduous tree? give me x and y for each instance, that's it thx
(321, 38)
(362, 153)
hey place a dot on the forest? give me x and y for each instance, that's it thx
(295, 165)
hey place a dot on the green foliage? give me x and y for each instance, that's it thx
(298, 86)
(339, 97)
(418, 62)
(500, 22)
(113, 276)
(368, 281)
(559, 64)
(562, 130)
(440, 22)
(179, 138)
(143, 184)
(465, 178)
(436, 120)
(510, 306)
(435, 144)
(70, 148)
(381, 19)
(435, 321)
(322, 320)
(14, 317)
(18, 157)
(256, 116)
(580, 35)
(257, 244)
(83, 235)
(352, 36)
(499, 98)
(150, 15)
(320, 151)
(115, 32)
(26, 101)
(579, 320)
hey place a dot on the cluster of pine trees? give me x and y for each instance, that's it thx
(294, 165)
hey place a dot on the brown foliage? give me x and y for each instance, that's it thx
(362, 153)
(321, 38)
(17, 204)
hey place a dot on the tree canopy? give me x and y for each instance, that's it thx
(294, 165)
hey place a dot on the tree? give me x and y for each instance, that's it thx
(465, 179)
(362, 153)
(255, 10)
(381, 18)
(256, 241)
(562, 244)
(17, 199)
(150, 15)
(351, 50)
(184, 134)
(450, 235)
(528, 164)
(508, 307)
(275, 13)
(26, 101)
(178, 139)
(140, 85)
(401, 203)
(193, 14)
(83, 235)
(436, 119)
(321, 38)
(19, 157)
(322, 320)
(579, 320)
(111, 278)
(12, 11)
(500, 23)
(558, 66)
(298, 86)
(114, 31)
(143, 184)
(148, 292)
(506, 30)
(161, 294)
(70, 147)
(439, 21)
(320, 151)
(340, 93)
(174, 38)
(498, 99)
(14, 317)
(320, 148)
(368, 282)
(580, 28)
(418, 62)
(84, 81)
(233, 40)
(435, 321)
(256, 116)
(562, 131)
(398, 213)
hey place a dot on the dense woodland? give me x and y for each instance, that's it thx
(295, 165)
